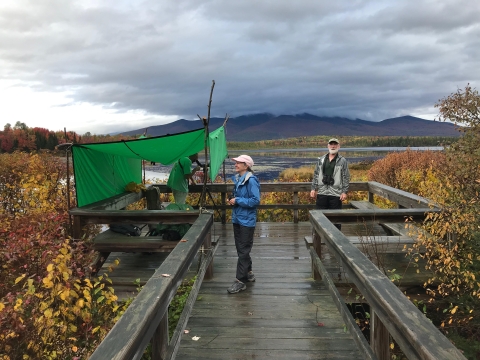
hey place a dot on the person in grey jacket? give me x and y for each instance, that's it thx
(331, 179)
(245, 199)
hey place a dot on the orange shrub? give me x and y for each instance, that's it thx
(406, 170)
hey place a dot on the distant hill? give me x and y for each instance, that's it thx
(268, 127)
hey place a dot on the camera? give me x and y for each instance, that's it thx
(328, 180)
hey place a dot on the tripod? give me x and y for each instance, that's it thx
(207, 190)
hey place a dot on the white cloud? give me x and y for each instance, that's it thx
(104, 65)
(58, 111)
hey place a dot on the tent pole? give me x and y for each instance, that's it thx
(205, 172)
(224, 175)
(224, 125)
(68, 185)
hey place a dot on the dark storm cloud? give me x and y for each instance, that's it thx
(359, 59)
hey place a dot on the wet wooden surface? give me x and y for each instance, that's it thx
(275, 244)
(285, 314)
(278, 315)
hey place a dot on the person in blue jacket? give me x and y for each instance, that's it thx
(245, 199)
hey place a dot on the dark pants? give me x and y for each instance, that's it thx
(243, 242)
(328, 202)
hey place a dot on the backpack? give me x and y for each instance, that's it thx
(126, 229)
(172, 232)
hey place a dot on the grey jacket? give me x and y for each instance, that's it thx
(341, 177)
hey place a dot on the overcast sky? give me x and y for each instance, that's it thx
(105, 66)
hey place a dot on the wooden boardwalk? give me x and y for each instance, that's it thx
(285, 314)
(274, 243)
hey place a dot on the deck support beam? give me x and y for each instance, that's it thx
(317, 247)
(207, 246)
(379, 337)
(160, 339)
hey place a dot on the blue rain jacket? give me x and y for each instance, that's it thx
(247, 197)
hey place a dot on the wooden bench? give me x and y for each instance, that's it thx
(109, 241)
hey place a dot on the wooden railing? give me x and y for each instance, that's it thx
(103, 212)
(110, 210)
(292, 187)
(146, 319)
(391, 312)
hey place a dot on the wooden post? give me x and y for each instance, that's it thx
(160, 339)
(152, 195)
(224, 212)
(295, 202)
(207, 246)
(379, 337)
(77, 227)
(153, 198)
(317, 246)
(370, 197)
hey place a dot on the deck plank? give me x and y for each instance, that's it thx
(278, 316)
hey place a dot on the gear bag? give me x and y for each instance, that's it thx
(172, 232)
(126, 229)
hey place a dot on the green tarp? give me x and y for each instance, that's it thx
(103, 169)
(218, 150)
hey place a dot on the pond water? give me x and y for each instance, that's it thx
(270, 163)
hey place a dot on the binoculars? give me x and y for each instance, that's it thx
(328, 180)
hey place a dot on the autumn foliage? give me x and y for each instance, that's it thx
(453, 240)
(48, 306)
(22, 138)
(450, 239)
(407, 169)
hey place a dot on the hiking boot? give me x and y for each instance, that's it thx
(236, 287)
(250, 276)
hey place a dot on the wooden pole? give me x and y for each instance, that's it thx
(206, 121)
(68, 184)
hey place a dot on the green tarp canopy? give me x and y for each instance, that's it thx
(103, 169)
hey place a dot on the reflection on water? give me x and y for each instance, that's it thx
(270, 163)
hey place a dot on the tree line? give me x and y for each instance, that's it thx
(346, 141)
(20, 137)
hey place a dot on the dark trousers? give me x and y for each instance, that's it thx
(328, 202)
(243, 242)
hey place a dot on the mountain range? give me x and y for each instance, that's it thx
(268, 127)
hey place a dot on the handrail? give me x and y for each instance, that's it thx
(402, 198)
(147, 313)
(87, 215)
(174, 343)
(264, 186)
(417, 337)
(350, 323)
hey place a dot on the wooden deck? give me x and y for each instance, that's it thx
(285, 314)
(274, 243)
